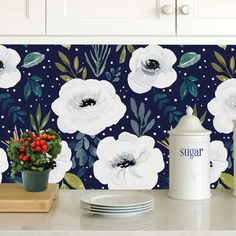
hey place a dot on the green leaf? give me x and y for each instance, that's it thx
(223, 46)
(131, 48)
(220, 58)
(192, 88)
(27, 91)
(45, 120)
(60, 67)
(220, 187)
(135, 127)
(66, 77)
(149, 126)
(141, 111)
(32, 122)
(64, 187)
(122, 55)
(118, 47)
(228, 180)
(217, 67)
(183, 91)
(38, 114)
(232, 63)
(203, 117)
(134, 107)
(33, 59)
(74, 181)
(84, 73)
(36, 88)
(64, 58)
(76, 63)
(189, 59)
(222, 77)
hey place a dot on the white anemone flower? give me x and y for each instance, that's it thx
(151, 67)
(223, 106)
(3, 163)
(218, 158)
(63, 164)
(88, 106)
(130, 162)
(9, 74)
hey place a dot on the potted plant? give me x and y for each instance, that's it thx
(34, 156)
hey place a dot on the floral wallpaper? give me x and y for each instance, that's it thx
(113, 105)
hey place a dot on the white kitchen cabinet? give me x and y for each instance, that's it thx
(206, 17)
(107, 18)
(111, 17)
(22, 17)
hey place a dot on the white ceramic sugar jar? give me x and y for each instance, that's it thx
(189, 163)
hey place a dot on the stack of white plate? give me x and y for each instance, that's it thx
(117, 203)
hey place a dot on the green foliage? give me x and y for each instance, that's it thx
(113, 75)
(124, 49)
(189, 59)
(202, 117)
(228, 180)
(225, 67)
(33, 59)
(98, 58)
(41, 123)
(32, 86)
(188, 87)
(164, 104)
(70, 70)
(25, 156)
(7, 104)
(74, 181)
(142, 122)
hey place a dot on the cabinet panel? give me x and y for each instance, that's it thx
(206, 17)
(22, 17)
(110, 17)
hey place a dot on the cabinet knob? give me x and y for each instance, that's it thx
(185, 9)
(167, 9)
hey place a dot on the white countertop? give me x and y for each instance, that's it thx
(216, 216)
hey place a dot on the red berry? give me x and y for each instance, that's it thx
(33, 145)
(42, 142)
(38, 149)
(38, 138)
(29, 139)
(21, 156)
(37, 143)
(34, 136)
(45, 147)
(22, 149)
(25, 158)
(22, 140)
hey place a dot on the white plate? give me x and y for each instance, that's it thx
(85, 205)
(118, 211)
(117, 199)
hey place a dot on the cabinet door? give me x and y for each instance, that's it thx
(206, 17)
(22, 17)
(110, 17)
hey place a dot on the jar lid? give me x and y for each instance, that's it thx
(189, 125)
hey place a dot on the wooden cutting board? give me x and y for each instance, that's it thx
(13, 198)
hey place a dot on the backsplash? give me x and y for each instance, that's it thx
(113, 105)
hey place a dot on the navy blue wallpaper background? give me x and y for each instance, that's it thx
(113, 105)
